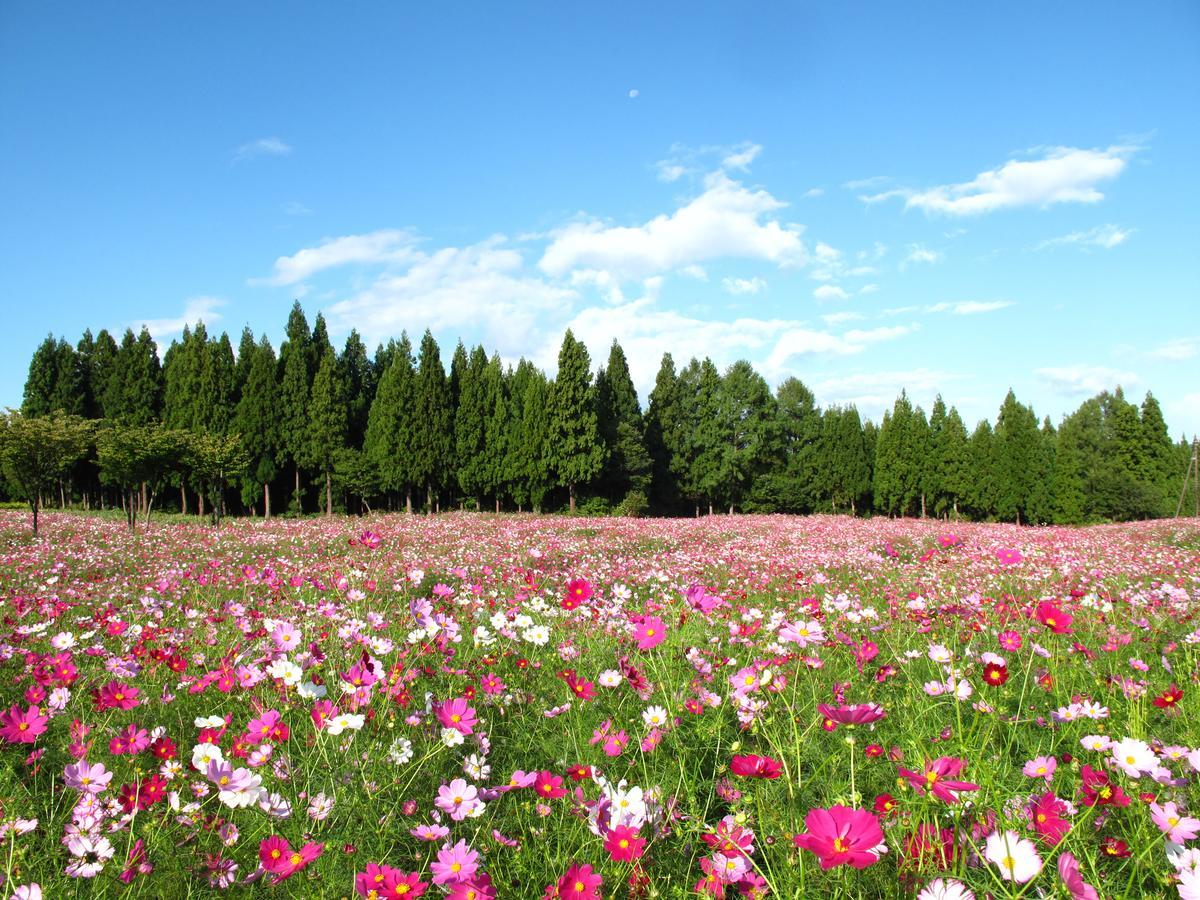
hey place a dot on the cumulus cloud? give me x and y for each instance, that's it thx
(918, 253)
(481, 287)
(390, 245)
(1060, 175)
(874, 392)
(1081, 380)
(195, 309)
(737, 286)
(830, 292)
(727, 220)
(1103, 236)
(268, 146)
(741, 158)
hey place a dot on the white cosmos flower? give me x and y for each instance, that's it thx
(1015, 857)
(344, 722)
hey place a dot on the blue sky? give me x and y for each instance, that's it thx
(944, 196)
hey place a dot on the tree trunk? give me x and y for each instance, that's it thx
(697, 510)
(182, 498)
(408, 501)
(62, 497)
(299, 502)
(200, 504)
(428, 498)
(853, 509)
(328, 493)
(955, 509)
(145, 502)
(922, 504)
(710, 507)
(266, 499)
(497, 505)
(571, 489)
(34, 505)
(731, 509)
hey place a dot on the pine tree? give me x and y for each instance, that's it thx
(40, 383)
(105, 381)
(664, 437)
(801, 426)
(495, 431)
(954, 458)
(359, 378)
(1158, 458)
(433, 441)
(534, 455)
(256, 419)
(296, 370)
(619, 420)
(576, 454)
(708, 433)
(750, 418)
(245, 359)
(934, 479)
(983, 471)
(469, 428)
(327, 418)
(392, 422)
(516, 386)
(138, 379)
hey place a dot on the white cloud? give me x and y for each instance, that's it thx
(813, 192)
(868, 289)
(390, 245)
(268, 146)
(1061, 175)
(1104, 236)
(727, 220)
(1178, 349)
(743, 285)
(874, 392)
(195, 309)
(741, 158)
(1080, 380)
(830, 292)
(840, 317)
(697, 272)
(670, 171)
(481, 288)
(296, 208)
(633, 93)
(917, 253)
(969, 307)
(802, 341)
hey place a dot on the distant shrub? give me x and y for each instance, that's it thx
(633, 505)
(594, 506)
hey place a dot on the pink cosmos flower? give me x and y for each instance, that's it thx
(458, 715)
(1040, 767)
(854, 714)
(752, 766)
(22, 727)
(1010, 640)
(1068, 871)
(580, 883)
(649, 633)
(459, 799)
(1008, 557)
(455, 864)
(91, 779)
(1057, 620)
(1047, 816)
(1177, 827)
(841, 836)
(116, 695)
(938, 778)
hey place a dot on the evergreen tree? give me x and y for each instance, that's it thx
(85, 351)
(664, 437)
(983, 471)
(495, 430)
(516, 386)
(392, 424)
(104, 373)
(619, 420)
(801, 427)
(433, 441)
(750, 418)
(139, 379)
(256, 419)
(576, 455)
(900, 458)
(707, 434)
(933, 475)
(245, 359)
(296, 369)
(1159, 470)
(533, 457)
(954, 458)
(469, 428)
(359, 378)
(40, 383)
(327, 417)
(1019, 461)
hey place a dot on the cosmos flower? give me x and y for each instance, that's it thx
(841, 836)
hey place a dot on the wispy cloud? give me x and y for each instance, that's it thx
(268, 146)
(737, 286)
(1177, 349)
(389, 245)
(918, 253)
(830, 292)
(296, 208)
(195, 309)
(1103, 236)
(969, 307)
(1059, 175)
(1080, 380)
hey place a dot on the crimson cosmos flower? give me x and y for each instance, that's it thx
(938, 778)
(751, 766)
(853, 714)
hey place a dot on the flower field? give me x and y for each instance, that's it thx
(475, 706)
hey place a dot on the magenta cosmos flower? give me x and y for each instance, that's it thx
(22, 727)
(751, 766)
(649, 633)
(458, 715)
(841, 836)
(853, 714)
(455, 864)
(580, 883)
(938, 778)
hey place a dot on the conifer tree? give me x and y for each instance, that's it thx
(469, 428)
(516, 386)
(576, 455)
(392, 422)
(533, 455)
(41, 381)
(750, 418)
(327, 418)
(954, 458)
(664, 436)
(801, 428)
(433, 440)
(245, 359)
(619, 420)
(1158, 458)
(495, 432)
(256, 419)
(296, 369)
(104, 374)
(708, 433)
(983, 471)
(358, 377)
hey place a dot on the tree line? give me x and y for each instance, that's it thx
(345, 430)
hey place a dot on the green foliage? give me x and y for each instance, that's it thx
(575, 453)
(256, 419)
(214, 461)
(664, 436)
(433, 441)
(327, 421)
(634, 504)
(37, 451)
(297, 365)
(139, 456)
